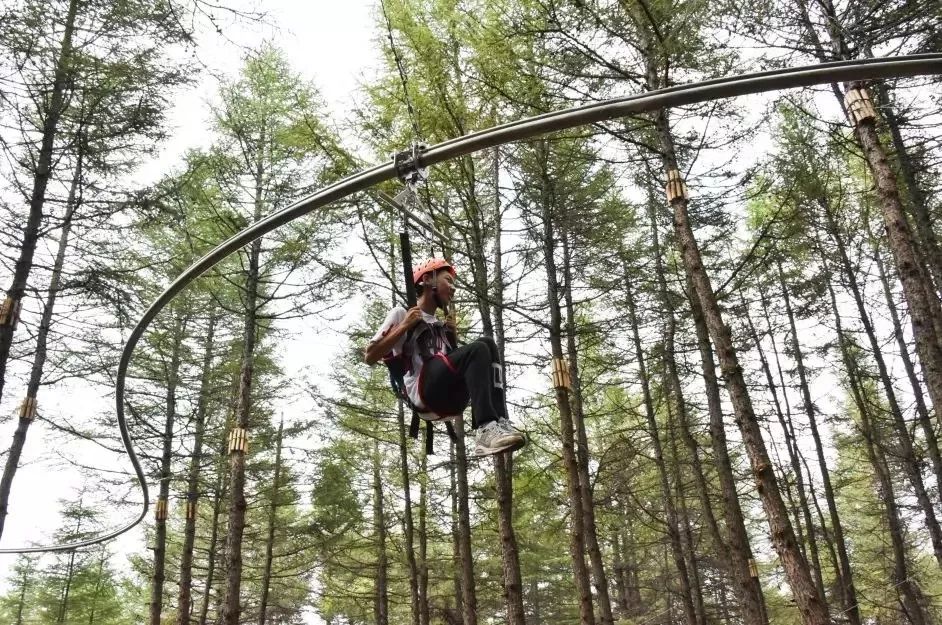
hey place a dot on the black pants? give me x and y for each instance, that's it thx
(471, 374)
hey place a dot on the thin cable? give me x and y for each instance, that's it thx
(897, 67)
(402, 73)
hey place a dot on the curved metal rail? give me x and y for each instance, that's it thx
(788, 78)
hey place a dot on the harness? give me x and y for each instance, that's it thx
(422, 339)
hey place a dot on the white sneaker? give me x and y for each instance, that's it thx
(509, 427)
(494, 438)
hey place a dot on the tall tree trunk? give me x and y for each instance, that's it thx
(577, 545)
(676, 389)
(925, 312)
(683, 519)
(172, 373)
(748, 588)
(456, 528)
(184, 599)
(503, 463)
(380, 583)
(213, 543)
(424, 616)
(810, 604)
(468, 594)
(44, 164)
(237, 451)
(408, 527)
(788, 430)
(28, 408)
(673, 533)
(906, 589)
(908, 455)
(270, 530)
(845, 574)
(599, 577)
(922, 411)
(925, 233)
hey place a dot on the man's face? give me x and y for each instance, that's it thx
(446, 286)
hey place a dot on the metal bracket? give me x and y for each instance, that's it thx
(408, 165)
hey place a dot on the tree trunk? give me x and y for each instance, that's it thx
(810, 604)
(925, 233)
(424, 617)
(455, 528)
(748, 588)
(380, 583)
(213, 543)
(237, 453)
(468, 595)
(39, 359)
(923, 302)
(788, 431)
(599, 577)
(503, 463)
(908, 455)
(408, 528)
(577, 531)
(845, 575)
(184, 599)
(163, 497)
(270, 530)
(673, 533)
(44, 164)
(922, 411)
(906, 588)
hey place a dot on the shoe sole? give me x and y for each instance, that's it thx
(501, 450)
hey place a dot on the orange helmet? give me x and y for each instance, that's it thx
(432, 264)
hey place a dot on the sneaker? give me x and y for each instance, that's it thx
(493, 438)
(508, 427)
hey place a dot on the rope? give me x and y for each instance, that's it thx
(402, 73)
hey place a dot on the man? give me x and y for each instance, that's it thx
(442, 379)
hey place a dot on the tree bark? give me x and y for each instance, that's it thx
(577, 545)
(237, 455)
(922, 411)
(270, 530)
(673, 533)
(907, 591)
(44, 166)
(408, 527)
(213, 544)
(748, 588)
(908, 455)
(380, 583)
(599, 577)
(923, 302)
(810, 604)
(788, 430)
(39, 358)
(184, 599)
(163, 497)
(424, 616)
(845, 574)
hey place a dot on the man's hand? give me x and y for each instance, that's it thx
(413, 316)
(451, 324)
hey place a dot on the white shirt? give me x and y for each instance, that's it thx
(413, 370)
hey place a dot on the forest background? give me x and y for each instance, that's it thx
(742, 299)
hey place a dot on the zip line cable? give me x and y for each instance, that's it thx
(718, 88)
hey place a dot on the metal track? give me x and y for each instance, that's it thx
(790, 78)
